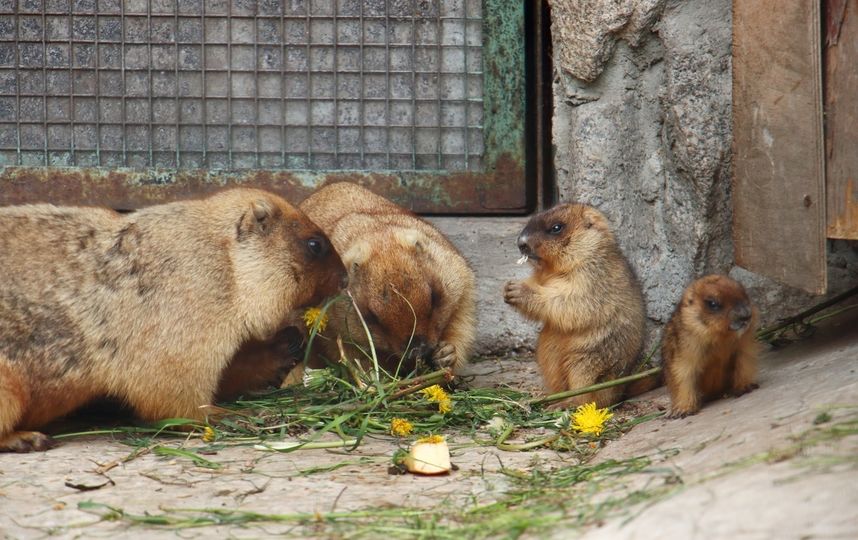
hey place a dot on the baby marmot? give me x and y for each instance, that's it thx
(709, 347)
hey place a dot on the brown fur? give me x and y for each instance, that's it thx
(709, 346)
(587, 297)
(259, 365)
(147, 307)
(395, 259)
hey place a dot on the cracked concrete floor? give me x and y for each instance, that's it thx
(743, 473)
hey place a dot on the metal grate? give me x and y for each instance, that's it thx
(268, 84)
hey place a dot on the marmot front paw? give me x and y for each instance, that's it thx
(445, 356)
(515, 293)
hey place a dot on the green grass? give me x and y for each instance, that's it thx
(350, 400)
(537, 501)
(346, 403)
(533, 502)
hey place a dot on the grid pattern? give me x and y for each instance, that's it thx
(242, 84)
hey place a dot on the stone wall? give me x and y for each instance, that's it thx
(642, 130)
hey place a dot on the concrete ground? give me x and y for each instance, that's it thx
(748, 472)
(746, 468)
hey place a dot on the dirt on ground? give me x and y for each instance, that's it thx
(779, 462)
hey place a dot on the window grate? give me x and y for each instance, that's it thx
(269, 84)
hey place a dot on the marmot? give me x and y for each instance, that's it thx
(587, 297)
(412, 286)
(147, 307)
(259, 365)
(709, 346)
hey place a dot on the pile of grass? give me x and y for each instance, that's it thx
(353, 398)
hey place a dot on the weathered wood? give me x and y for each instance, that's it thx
(779, 171)
(841, 117)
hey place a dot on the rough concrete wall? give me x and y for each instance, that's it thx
(643, 131)
(489, 245)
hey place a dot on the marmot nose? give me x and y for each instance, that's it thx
(741, 317)
(522, 244)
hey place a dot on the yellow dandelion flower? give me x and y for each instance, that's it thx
(445, 406)
(588, 419)
(209, 434)
(314, 317)
(437, 395)
(431, 439)
(401, 427)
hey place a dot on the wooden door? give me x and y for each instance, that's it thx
(779, 219)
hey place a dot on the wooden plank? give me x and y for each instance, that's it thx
(779, 170)
(841, 117)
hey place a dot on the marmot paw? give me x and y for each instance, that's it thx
(445, 355)
(676, 413)
(26, 441)
(515, 293)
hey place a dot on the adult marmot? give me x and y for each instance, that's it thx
(414, 289)
(587, 297)
(709, 346)
(146, 307)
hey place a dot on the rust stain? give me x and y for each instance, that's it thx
(845, 225)
(495, 191)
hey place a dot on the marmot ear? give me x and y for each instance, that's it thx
(410, 238)
(357, 255)
(257, 220)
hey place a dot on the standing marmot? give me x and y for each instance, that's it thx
(410, 283)
(586, 295)
(147, 307)
(709, 346)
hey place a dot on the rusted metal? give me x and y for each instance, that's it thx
(426, 193)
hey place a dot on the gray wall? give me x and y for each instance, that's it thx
(641, 130)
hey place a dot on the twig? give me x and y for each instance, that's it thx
(593, 388)
(426, 383)
(789, 321)
(420, 378)
(648, 357)
(349, 366)
(414, 385)
(509, 447)
(373, 355)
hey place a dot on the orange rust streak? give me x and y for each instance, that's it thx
(845, 225)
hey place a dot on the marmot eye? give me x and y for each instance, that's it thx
(556, 228)
(316, 246)
(713, 305)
